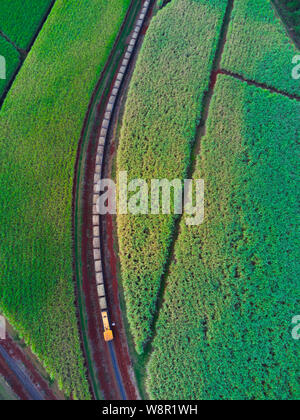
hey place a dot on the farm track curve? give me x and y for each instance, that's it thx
(257, 84)
(21, 373)
(21, 377)
(12, 381)
(109, 365)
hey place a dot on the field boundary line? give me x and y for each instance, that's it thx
(201, 131)
(40, 27)
(258, 84)
(22, 377)
(23, 53)
(278, 9)
(20, 51)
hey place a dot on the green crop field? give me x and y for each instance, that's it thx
(258, 46)
(224, 331)
(19, 23)
(12, 61)
(20, 19)
(208, 94)
(290, 11)
(40, 125)
(163, 109)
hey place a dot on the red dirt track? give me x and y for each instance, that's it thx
(18, 355)
(120, 340)
(100, 351)
(105, 370)
(12, 381)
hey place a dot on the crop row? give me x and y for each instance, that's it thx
(20, 19)
(40, 125)
(163, 109)
(224, 330)
(258, 47)
(100, 152)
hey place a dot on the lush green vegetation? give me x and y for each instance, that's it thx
(258, 46)
(224, 331)
(162, 111)
(40, 124)
(12, 61)
(19, 22)
(20, 19)
(161, 3)
(290, 11)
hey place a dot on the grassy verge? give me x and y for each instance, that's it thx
(258, 47)
(40, 125)
(163, 109)
(224, 331)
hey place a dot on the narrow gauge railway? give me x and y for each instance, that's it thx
(97, 243)
(109, 365)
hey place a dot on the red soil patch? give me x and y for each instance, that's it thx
(12, 380)
(17, 353)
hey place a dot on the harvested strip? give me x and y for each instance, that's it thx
(258, 47)
(162, 111)
(224, 330)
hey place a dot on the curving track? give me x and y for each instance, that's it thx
(109, 365)
(98, 242)
(25, 377)
(20, 376)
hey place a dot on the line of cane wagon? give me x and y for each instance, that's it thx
(108, 334)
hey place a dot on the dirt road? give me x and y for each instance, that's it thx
(20, 375)
(109, 366)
